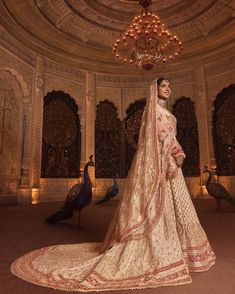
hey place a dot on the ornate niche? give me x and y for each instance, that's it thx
(107, 140)
(61, 141)
(11, 132)
(224, 131)
(187, 135)
(132, 127)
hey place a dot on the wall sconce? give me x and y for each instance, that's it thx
(35, 195)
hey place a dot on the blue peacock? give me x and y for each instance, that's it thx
(111, 192)
(79, 196)
(217, 191)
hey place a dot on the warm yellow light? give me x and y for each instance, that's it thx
(35, 195)
(146, 42)
(204, 190)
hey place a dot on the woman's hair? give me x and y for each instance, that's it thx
(159, 80)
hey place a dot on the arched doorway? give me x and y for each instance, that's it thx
(187, 135)
(61, 140)
(224, 131)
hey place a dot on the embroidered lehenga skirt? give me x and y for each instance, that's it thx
(176, 246)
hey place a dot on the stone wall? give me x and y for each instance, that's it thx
(36, 78)
(16, 78)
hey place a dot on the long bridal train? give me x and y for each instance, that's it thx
(155, 237)
(175, 246)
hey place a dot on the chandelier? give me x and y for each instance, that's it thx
(146, 42)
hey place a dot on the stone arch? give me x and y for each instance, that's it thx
(24, 127)
(61, 140)
(12, 131)
(223, 130)
(107, 140)
(20, 80)
(132, 126)
(187, 134)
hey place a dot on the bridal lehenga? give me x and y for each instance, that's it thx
(155, 238)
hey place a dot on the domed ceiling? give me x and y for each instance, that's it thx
(81, 32)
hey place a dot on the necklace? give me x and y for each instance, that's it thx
(162, 102)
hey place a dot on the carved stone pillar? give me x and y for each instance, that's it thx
(24, 193)
(23, 183)
(38, 94)
(203, 125)
(123, 138)
(90, 112)
(202, 117)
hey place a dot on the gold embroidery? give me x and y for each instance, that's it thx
(155, 237)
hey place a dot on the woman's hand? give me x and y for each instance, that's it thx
(179, 160)
(172, 168)
(178, 154)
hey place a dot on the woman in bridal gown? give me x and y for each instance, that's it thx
(155, 237)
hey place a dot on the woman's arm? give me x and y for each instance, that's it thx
(178, 153)
(169, 145)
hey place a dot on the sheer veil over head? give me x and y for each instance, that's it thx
(141, 204)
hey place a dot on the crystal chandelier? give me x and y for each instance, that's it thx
(146, 42)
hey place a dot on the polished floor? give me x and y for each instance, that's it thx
(22, 229)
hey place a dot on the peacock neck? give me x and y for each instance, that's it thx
(86, 177)
(209, 178)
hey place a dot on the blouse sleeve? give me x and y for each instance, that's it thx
(166, 130)
(177, 150)
(169, 143)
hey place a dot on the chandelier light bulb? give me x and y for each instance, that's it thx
(147, 42)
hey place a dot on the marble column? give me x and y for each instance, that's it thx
(38, 95)
(202, 116)
(123, 137)
(24, 192)
(90, 112)
(203, 124)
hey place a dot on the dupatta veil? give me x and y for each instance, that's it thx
(143, 198)
(155, 237)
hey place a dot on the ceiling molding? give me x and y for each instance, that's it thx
(83, 38)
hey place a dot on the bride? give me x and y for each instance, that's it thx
(155, 237)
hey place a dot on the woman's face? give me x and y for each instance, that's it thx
(164, 90)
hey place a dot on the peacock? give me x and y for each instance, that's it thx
(217, 191)
(111, 192)
(78, 197)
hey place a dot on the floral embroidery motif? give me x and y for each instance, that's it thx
(155, 237)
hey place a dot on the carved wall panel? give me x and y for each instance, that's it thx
(224, 131)
(58, 79)
(61, 143)
(187, 135)
(107, 141)
(11, 132)
(10, 61)
(113, 95)
(132, 126)
(184, 88)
